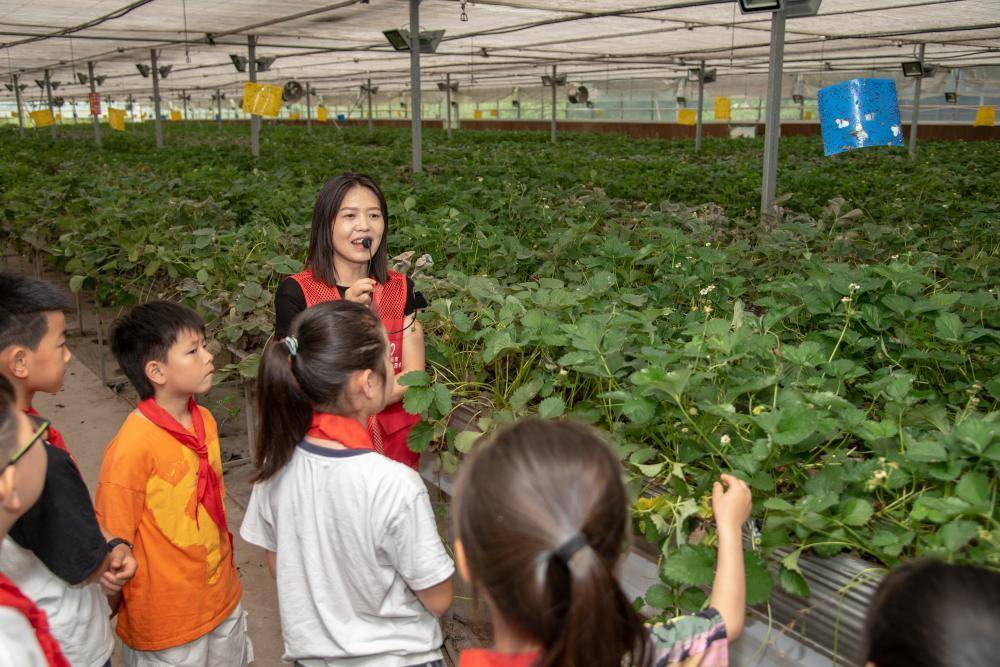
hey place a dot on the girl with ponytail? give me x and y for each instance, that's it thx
(541, 520)
(349, 534)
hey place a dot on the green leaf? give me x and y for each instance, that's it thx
(758, 579)
(659, 597)
(520, 397)
(871, 431)
(639, 409)
(788, 426)
(417, 400)
(76, 283)
(420, 436)
(652, 469)
(409, 203)
(461, 321)
(692, 565)
(926, 451)
(465, 440)
(856, 512)
(974, 489)
(793, 583)
(654, 378)
(414, 379)
(957, 534)
(442, 398)
(949, 326)
(551, 407)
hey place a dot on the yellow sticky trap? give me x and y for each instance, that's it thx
(175, 114)
(477, 114)
(58, 116)
(116, 119)
(294, 116)
(493, 112)
(808, 115)
(599, 113)
(722, 109)
(261, 99)
(985, 117)
(686, 116)
(13, 114)
(322, 115)
(42, 118)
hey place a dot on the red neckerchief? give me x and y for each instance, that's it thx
(348, 432)
(54, 438)
(481, 657)
(11, 596)
(209, 487)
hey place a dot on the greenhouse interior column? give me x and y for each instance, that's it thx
(157, 123)
(218, 105)
(254, 118)
(915, 115)
(415, 113)
(447, 93)
(554, 104)
(701, 105)
(17, 100)
(772, 121)
(369, 90)
(94, 109)
(48, 92)
(309, 118)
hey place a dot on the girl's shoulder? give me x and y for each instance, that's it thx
(699, 638)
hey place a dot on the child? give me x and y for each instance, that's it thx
(541, 516)
(350, 536)
(25, 640)
(348, 260)
(930, 614)
(161, 488)
(56, 552)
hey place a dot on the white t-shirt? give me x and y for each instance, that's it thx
(355, 535)
(18, 646)
(78, 615)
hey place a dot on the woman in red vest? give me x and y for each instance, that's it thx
(348, 260)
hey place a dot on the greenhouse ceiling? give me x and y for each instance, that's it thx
(336, 46)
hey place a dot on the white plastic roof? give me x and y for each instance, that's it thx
(503, 45)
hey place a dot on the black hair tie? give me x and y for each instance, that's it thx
(570, 547)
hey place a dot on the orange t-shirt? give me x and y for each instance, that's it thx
(186, 582)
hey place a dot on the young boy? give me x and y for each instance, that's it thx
(56, 553)
(25, 639)
(161, 487)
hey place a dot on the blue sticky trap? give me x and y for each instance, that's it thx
(341, 117)
(859, 113)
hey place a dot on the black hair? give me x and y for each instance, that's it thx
(333, 340)
(328, 202)
(533, 488)
(931, 614)
(8, 419)
(26, 301)
(146, 334)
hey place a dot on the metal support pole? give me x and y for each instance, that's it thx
(93, 93)
(447, 94)
(254, 118)
(415, 111)
(701, 105)
(156, 100)
(218, 106)
(554, 104)
(371, 125)
(772, 127)
(48, 92)
(309, 117)
(20, 110)
(915, 116)
(184, 102)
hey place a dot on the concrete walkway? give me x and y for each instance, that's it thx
(89, 415)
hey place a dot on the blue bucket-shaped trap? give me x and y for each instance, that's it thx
(341, 117)
(859, 113)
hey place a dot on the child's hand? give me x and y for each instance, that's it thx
(732, 506)
(121, 566)
(110, 585)
(361, 291)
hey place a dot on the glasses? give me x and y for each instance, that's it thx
(42, 428)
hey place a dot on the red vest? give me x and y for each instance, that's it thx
(11, 596)
(391, 427)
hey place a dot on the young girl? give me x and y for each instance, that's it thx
(350, 535)
(931, 614)
(348, 260)
(541, 519)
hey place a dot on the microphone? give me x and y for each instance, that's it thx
(366, 244)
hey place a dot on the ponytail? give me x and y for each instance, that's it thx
(541, 512)
(309, 370)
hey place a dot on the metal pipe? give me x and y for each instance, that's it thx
(309, 120)
(418, 163)
(915, 116)
(554, 83)
(218, 106)
(254, 118)
(93, 98)
(701, 105)
(447, 93)
(20, 111)
(371, 125)
(184, 103)
(156, 100)
(48, 92)
(772, 127)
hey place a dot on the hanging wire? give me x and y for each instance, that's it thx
(187, 49)
(732, 42)
(72, 60)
